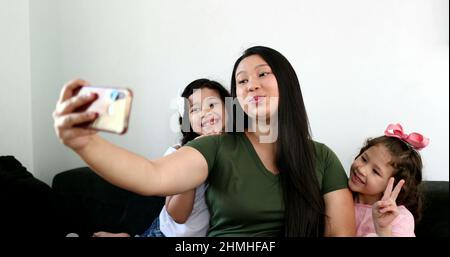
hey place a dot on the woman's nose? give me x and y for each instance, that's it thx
(252, 85)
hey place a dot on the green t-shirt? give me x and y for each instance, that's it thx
(244, 198)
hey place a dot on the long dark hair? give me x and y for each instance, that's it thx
(189, 134)
(407, 165)
(295, 156)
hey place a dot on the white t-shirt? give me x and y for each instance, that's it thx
(197, 223)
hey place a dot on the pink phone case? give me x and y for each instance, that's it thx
(113, 106)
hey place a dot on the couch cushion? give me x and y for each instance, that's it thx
(87, 203)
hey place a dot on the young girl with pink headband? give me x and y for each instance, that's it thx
(380, 208)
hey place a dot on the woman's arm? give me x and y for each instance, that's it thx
(340, 212)
(169, 175)
(180, 206)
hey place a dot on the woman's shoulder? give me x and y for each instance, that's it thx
(323, 151)
(215, 138)
(210, 143)
(319, 145)
(329, 169)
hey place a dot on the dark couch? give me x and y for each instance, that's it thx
(101, 206)
(81, 202)
(88, 204)
(434, 222)
(26, 203)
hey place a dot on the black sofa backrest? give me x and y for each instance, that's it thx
(434, 222)
(87, 204)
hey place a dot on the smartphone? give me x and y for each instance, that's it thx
(113, 106)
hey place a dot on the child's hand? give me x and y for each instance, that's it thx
(385, 210)
(66, 118)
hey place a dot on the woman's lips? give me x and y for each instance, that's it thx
(256, 99)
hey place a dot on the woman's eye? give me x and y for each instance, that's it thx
(241, 82)
(363, 159)
(376, 172)
(263, 74)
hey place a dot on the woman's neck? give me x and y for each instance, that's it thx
(265, 151)
(264, 131)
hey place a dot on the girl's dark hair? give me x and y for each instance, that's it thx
(295, 156)
(407, 165)
(189, 134)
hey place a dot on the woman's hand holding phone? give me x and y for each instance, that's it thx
(112, 106)
(83, 109)
(66, 118)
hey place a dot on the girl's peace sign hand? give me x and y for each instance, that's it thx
(385, 210)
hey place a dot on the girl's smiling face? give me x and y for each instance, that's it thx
(206, 111)
(370, 173)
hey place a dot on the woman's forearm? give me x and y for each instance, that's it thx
(121, 167)
(169, 175)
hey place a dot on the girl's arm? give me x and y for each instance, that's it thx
(340, 212)
(169, 175)
(180, 206)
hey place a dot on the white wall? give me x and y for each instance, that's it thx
(15, 95)
(361, 64)
(50, 157)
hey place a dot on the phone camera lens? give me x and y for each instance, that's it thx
(114, 95)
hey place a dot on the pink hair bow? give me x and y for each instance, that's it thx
(416, 140)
